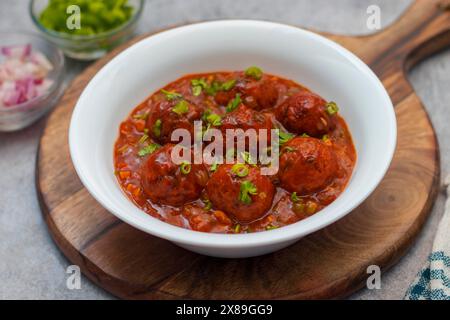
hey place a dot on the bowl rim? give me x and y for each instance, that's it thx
(58, 69)
(234, 241)
(61, 35)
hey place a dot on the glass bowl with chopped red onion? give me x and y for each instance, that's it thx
(31, 79)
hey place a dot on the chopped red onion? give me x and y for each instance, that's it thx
(23, 75)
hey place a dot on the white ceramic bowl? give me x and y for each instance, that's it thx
(290, 52)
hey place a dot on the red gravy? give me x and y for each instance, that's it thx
(316, 159)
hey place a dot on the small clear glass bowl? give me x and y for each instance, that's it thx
(21, 115)
(89, 47)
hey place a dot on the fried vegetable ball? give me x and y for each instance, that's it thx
(305, 112)
(255, 94)
(306, 165)
(168, 115)
(168, 183)
(245, 118)
(241, 191)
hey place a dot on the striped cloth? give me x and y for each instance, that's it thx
(433, 281)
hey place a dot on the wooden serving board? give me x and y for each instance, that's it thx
(330, 263)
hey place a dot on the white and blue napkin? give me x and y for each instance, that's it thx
(433, 281)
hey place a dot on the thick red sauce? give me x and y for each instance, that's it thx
(208, 198)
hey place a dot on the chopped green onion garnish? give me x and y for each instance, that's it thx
(247, 189)
(148, 149)
(254, 72)
(157, 128)
(185, 167)
(237, 228)
(332, 108)
(271, 227)
(199, 82)
(228, 85)
(141, 116)
(284, 137)
(240, 169)
(325, 138)
(170, 95)
(208, 204)
(288, 149)
(233, 104)
(196, 90)
(212, 118)
(295, 197)
(181, 107)
(304, 135)
(198, 85)
(142, 139)
(97, 16)
(214, 166)
(213, 88)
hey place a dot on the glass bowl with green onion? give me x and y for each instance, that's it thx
(86, 29)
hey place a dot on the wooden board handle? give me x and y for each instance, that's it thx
(433, 32)
(420, 32)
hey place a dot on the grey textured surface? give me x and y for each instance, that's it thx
(31, 267)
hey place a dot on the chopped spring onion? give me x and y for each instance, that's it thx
(97, 16)
(157, 128)
(181, 107)
(216, 86)
(212, 118)
(228, 85)
(214, 167)
(288, 149)
(233, 104)
(171, 95)
(148, 149)
(198, 85)
(143, 138)
(284, 137)
(199, 82)
(247, 189)
(240, 169)
(207, 203)
(213, 88)
(141, 116)
(295, 197)
(254, 72)
(196, 91)
(332, 108)
(185, 167)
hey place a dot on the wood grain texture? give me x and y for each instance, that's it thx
(330, 263)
